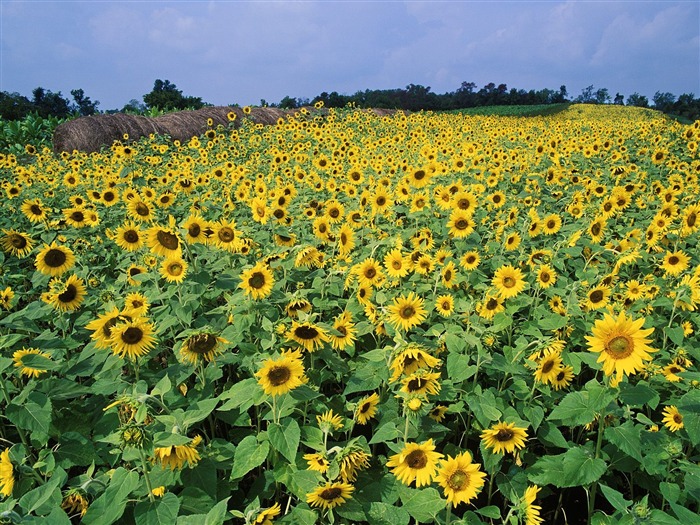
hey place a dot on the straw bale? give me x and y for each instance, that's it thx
(92, 133)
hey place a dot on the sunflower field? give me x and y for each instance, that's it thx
(347, 318)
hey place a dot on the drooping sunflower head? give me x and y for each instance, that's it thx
(202, 345)
(308, 335)
(25, 359)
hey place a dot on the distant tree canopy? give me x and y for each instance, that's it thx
(166, 96)
(414, 97)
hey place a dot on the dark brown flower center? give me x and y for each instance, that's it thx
(407, 312)
(508, 282)
(257, 280)
(201, 343)
(331, 494)
(226, 234)
(596, 296)
(18, 241)
(55, 258)
(167, 240)
(131, 236)
(132, 335)
(414, 385)
(416, 459)
(69, 294)
(36, 209)
(461, 224)
(194, 230)
(458, 480)
(77, 216)
(547, 366)
(504, 435)
(673, 260)
(142, 210)
(279, 375)
(308, 333)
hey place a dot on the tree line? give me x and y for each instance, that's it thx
(166, 97)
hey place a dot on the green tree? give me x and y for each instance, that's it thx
(663, 101)
(14, 106)
(635, 99)
(48, 103)
(83, 104)
(166, 96)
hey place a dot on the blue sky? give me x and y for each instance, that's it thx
(241, 52)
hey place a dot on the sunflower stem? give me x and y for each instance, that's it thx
(594, 487)
(144, 466)
(20, 431)
(448, 517)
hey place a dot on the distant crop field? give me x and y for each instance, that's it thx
(453, 318)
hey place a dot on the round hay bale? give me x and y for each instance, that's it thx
(90, 134)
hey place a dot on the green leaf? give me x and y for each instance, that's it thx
(163, 511)
(549, 434)
(239, 395)
(249, 454)
(110, 506)
(42, 499)
(422, 504)
(535, 415)
(627, 438)
(580, 408)
(162, 387)
(490, 512)
(574, 468)
(675, 334)
(285, 437)
(455, 344)
(199, 411)
(74, 449)
(553, 322)
(218, 514)
(385, 514)
(638, 395)
(689, 407)
(386, 433)
(616, 499)
(33, 415)
(458, 367)
(300, 516)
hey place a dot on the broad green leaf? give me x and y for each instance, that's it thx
(74, 450)
(110, 506)
(199, 411)
(385, 433)
(675, 334)
(33, 415)
(553, 322)
(458, 367)
(626, 437)
(299, 516)
(218, 514)
(385, 514)
(162, 511)
(285, 437)
(638, 395)
(455, 344)
(239, 395)
(574, 468)
(580, 408)
(249, 455)
(689, 407)
(490, 512)
(616, 499)
(422, 504)
(42, 499)
(549, 434)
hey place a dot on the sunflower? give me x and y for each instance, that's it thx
(366, 409)
(102, 327)
(437, 413)
(175, 456)
(460, 224)
(7, 474)
(6, 297)
(675, 263)
(445, 305)
(460, 479)
(308, 335)
(673, 419)
(265, 516)
(225, 235)
(282, 375)
(470, 260)
(67, 297)
(508, 281)
(25, 369)
(16, 243)
(416, 462)
(132, 338)
(598, 297)
(202, 345)
(512, 242)
(346, 240)
(54, 260)
(504, 437)
(330, 495)
(139, 209)
(490, 306)
(76, 217)
(380, 201)
(563, 377)
(421, 382)
(329, 421)
(317, 461)
(407, 311)
(34, 210)
(297, 305)
(257, 282)
(531, 512)
(196, 229)
(622, 344)
(165, 241)
(369, 272)
(548, 367)
(412, 358)
(346, 328)
(596, 229)
(352, 460)
(671, 371)
(551, 224)
(132, 271)
(449, 275)
(136, 304)
(129, 236)
(546, 276)
(690, 222)
(174, 269)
